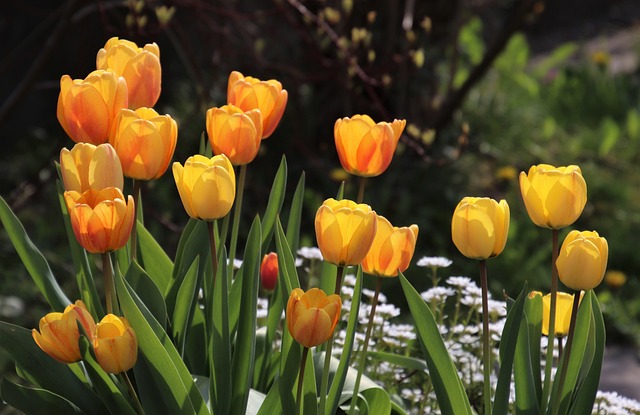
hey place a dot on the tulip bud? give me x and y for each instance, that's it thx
(115, 344)
(364, 147)
(235, 133)
(345, 231)
(553, 196)
(582, 261)
(564, 304)
(480, 226)
(312, 316)
(90, 167)
(269, 271)
(392, 249)
(59, 334)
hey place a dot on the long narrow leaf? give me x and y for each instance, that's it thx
(185, 304)
(34, 401)
(220, 340)
(148, 292)
(295, 215)
(155, 261)
(274, 205)
(533, 310)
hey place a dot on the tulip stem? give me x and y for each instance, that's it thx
(236, 218)
(363, 183)
(486, 337)
(133, 240)
(109, 288)
(567, 352)
(303, 363)
(546, 389)
(214, 254)
(134, 395)
(365, 346)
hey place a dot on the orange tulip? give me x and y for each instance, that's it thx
(235, 133)
(90, 167)
(115, 344)
(87, 107)
(312, 316)
(392, 249)
(59, 334)
(269, 271)
(101, 219)
(249, 93)
(145, 142)
(364, 147)
(139, 66)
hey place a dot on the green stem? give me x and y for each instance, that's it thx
(109, 287)
(134, 395)
(303, 363)
(214, 254)
(486, 338)
(363, 183)
(546, 389)
(365, 346)
(133, 240)
(567, 352)
(236, 218)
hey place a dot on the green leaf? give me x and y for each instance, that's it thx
(524, 377)
(148, 291)
(450, 392)
(271, 404)
(276, 199)
(244, 353)
(287, 272)
(406, 362)
(220, 339)
(32, 259)
(309, 388)
(295, 215)
(185, 304)
(155, 261)
(533, 310)
(35, 401)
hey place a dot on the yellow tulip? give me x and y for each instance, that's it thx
(364, 147)
(59, 334)
(207, 186)
(115, 344)
(90, 167)
(248, 93)
(145, 142)
(564, 304)
(87, 107)
(101, 219)
(312, 316)
(615, 278)
(345, 231)
(480, 226)
(554, 196)
(392, 249)
(582, 261)
(235, 133)
(140, 67)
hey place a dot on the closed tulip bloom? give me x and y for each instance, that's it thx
(480, 226)
(554, 196)
(269, 271)
(145, 142)
(248, 93)
(86, 167)
(235, 133)
(207, 186)
(87, 107)
(564, 303)
(364, 147)
(115, 344)
(101, 219)
(392, 249)
(59, 334)
(312, 316)
(582, 261)
(139, 66)
(345, 231)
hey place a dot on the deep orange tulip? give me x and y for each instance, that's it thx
(145, 142)
(392, 249)
(364, 147)
(269, 271)
(90, 167)
(312, 316)
(235, 133)
(101, 219)
(250, 93)
(140, 67)
(59, 334)
(115, 344)
(87, 107)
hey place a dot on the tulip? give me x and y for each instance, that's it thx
(392, 249)
(140, 67)
(145, 142)
(235, 133)
(59, 334)
(90, 167)
(115, 344)
(207, 187)
(582, 261)
(249, 93)
(564, 304)
(480, 226)
(554, 196)
(345, 231)
(87, 107)
(364, 147)
(269, 271)
(615, 279)
(312, 316)
(101, 219)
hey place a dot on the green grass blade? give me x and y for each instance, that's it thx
(274, 205)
